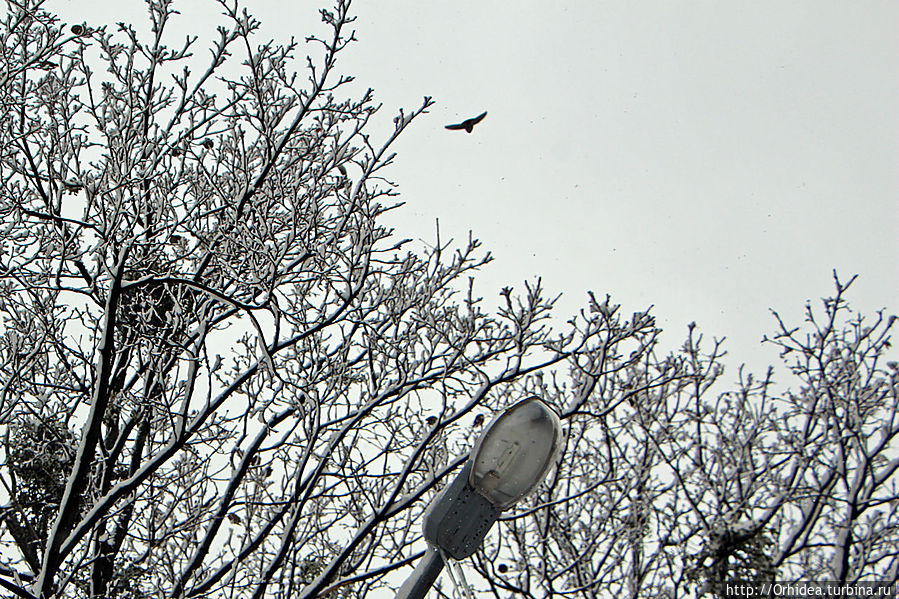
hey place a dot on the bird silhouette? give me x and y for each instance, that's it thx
(468, 124)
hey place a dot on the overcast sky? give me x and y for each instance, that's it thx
(713, 159)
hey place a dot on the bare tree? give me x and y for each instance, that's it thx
(682, 488)
(221, 375)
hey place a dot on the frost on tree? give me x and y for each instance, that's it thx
(221, 374)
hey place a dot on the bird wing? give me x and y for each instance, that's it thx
(456, 127)
(477, 119)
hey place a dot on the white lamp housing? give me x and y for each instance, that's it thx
(515, 452)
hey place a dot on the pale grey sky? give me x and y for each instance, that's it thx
(713, 159)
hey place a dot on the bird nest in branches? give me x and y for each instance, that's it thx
(162, 313)
(39, 454)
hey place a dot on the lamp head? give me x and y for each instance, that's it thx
(515, 452)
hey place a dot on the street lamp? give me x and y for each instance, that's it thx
(512, 456)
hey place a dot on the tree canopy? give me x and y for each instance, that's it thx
(222, 375)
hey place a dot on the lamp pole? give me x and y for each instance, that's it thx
(423, 577)
(512, 456)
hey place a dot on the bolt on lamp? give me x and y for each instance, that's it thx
(512, 456)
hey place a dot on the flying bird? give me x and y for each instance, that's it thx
(468, 124)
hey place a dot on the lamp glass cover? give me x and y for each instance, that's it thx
(516, 452)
